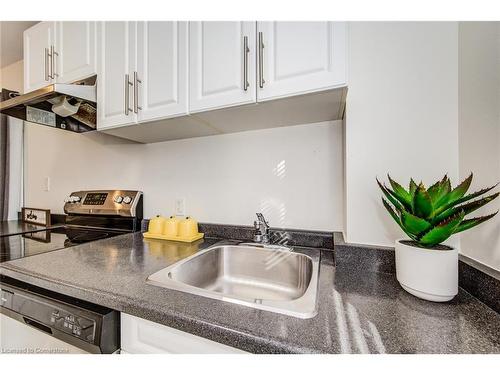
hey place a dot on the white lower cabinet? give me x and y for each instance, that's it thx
(140, 336)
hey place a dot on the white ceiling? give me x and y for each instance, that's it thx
(11, 40)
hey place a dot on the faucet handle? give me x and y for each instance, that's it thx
(261, 234)
(262, 218)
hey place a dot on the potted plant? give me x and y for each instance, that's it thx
(424, 266)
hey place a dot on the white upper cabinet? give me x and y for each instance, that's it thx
(221, 64)
(76, 51)
(60, 52)
(116, 66)
(300, 57)
(142, 72)
(162, 70)
(157, 72)
(38, 41)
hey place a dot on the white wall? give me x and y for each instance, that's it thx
(479, 125)
(11, 77)
(293, 175)
(402, 116)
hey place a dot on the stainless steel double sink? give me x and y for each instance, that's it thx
(265, 277)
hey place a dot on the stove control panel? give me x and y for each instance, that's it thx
(72, 199)
(123, 199)
(104, 202)
(95, 199)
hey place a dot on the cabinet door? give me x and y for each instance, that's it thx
(300, 57)
(116, 50)
(76, 50)
(162, 68)
(219, 66)
(140, 336)
(37, 67)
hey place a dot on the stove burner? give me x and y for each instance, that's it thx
(81, 236)
(23, 245)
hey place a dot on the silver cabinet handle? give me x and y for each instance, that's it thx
(246, 50)
(47, 75)
(261, 60)
(127, 94)
(136, 93)
(53, 55)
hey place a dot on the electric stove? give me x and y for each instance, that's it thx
(91, 216)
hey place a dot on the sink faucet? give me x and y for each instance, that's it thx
(261, 234)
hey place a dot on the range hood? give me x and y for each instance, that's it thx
(71, 107)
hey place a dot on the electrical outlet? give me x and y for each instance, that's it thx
(46, 184)
(180, 207)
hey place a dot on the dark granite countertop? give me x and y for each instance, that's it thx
(357, 312)
(12, 227)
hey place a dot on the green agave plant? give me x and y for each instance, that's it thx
(430, 216)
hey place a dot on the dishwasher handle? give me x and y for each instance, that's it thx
(37, 325)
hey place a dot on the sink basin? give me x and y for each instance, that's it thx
(266, 278)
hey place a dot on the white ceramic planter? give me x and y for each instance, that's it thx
(427, 273)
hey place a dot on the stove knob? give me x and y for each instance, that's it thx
(74, 199)
(127, 200)
(118, 199)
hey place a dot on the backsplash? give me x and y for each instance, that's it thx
(293, 174)
(285, 237)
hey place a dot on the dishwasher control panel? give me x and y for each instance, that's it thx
(78, 326)
(94, 328)
(45, 315)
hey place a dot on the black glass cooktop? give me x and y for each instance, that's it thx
(27, 244)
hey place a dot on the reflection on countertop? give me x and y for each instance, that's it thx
(170, 250)
(357, 312)
(11, 227)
